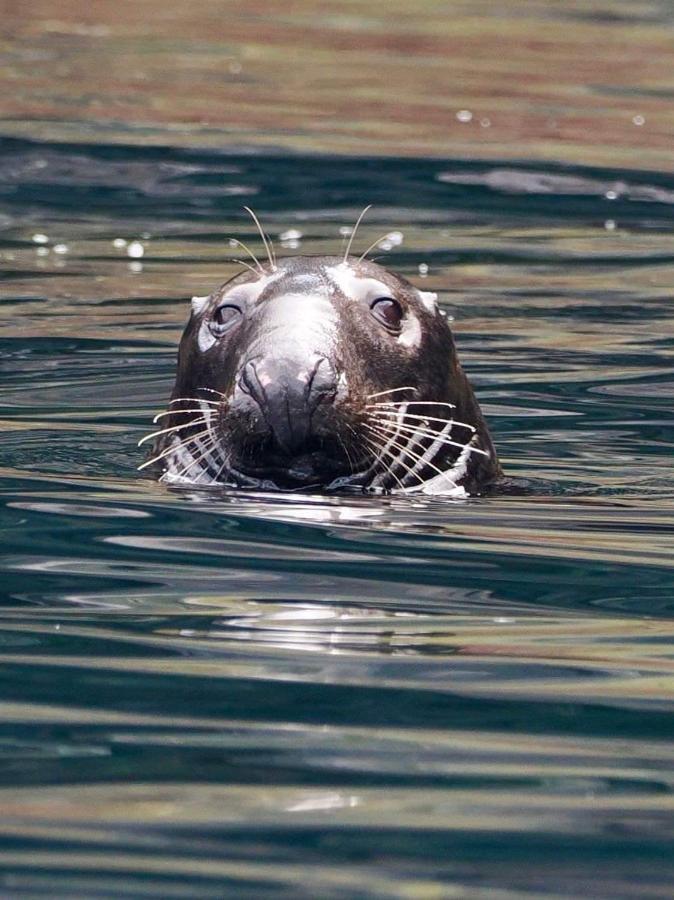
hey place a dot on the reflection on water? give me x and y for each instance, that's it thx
(584, 81)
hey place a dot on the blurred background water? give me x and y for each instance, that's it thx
(298, 696)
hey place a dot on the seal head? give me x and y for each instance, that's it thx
(322, 373)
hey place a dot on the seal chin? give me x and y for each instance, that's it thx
(309, 467)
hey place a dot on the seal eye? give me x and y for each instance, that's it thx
(387, 311)
(225, 317)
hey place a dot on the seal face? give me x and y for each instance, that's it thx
(322, 374)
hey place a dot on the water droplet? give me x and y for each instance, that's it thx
(638, 120)
(61, 248)
(42, 251)
(423, 269)
(610, 225)
(611, 195)
(345, 230)
(119, 243)
(292, 234)
(391, 240)
(40, 238)
(135, 250)
(135, 267)
(464, 115)
(485, 123)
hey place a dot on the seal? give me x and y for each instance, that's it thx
(322, 373)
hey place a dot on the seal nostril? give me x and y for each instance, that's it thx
(249, 382)
(322, 383)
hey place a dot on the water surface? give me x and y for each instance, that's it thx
(336, 697)
(256, 696)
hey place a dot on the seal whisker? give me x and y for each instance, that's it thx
(409, 470)
(436, 435)
(346, 451)
(404, 448)
(426, 419)
(420, 463)
(265, 239)
(168, 430)
(380, 452)
(358, 438)
(250, 253)
(392, 408)
(373, 245)
(211, 391)
(173, 447)
(242, 262)
(177, 412)
(354, 230)
(416, 435)
(391, 433)
(385, 450)
(225, 465)
(396, 403)
(193, 400)
(206, 448)
(352, 233)
(406, 387)
(203, 447)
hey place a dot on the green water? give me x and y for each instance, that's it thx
(281, 696)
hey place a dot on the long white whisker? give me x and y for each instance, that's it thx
(411, 471)
(423, 419)
(194, 400)
(211, 391)
(242, 262)
(385, 450)
(382, 451)
(147, 437)
(250, 253)
(177, 412)
(346, 451)
(406, 387)
(173, 448)
(265, 240)
(404, 448)
(225, 464)
(435, 435)
(397, 403)
(372, 246)
(353, 233)
(206, 447)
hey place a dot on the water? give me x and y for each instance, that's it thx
(262, 696)
(284, 696)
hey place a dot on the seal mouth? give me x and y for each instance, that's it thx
(318, 462)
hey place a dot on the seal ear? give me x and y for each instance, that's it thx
(429, 299)
(199, 303)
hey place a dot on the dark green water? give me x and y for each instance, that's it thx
(266, 696)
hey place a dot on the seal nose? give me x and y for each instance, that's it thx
(288, 395)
